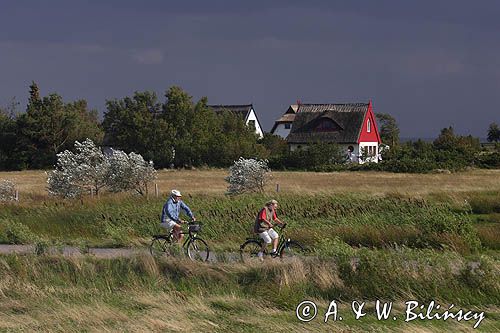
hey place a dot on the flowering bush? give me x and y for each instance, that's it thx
(89, 169)
(7, 190)
(248, 175)
(129, 172)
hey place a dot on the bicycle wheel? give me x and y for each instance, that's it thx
(197, 249)
(249, 251)
(292, 249)
(161, 245)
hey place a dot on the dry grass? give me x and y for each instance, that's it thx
(33, 183)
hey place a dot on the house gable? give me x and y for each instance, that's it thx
(369, 131)
(245, 111)
(286, 119)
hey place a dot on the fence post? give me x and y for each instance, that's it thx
(277, 187)
(17, 195)
(91, 192)
(156, 190)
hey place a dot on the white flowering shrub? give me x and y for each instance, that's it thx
(248, 175)
(7, 190)
(129, 172)
(79, 172)
(89, 169)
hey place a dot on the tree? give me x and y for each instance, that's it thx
(90, 170)
(247, 175)
(8, 139)
(389, 130)
(178, 110)
(274, 144)
(50, 126)
(136, 124)
(129, 172)
(493, 133)
(76, 173)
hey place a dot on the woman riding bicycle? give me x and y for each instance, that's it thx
(264, 227)
(170, 214)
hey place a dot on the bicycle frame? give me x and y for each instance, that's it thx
(190, 234)
(281, 243)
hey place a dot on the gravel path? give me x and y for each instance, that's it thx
(102, 252)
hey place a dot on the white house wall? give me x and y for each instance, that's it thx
(367, 144)
(252, 116)
(354, 157)
(280, 130)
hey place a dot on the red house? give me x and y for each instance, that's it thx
(352, 126)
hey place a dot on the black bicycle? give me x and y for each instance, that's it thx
(286, 248)
(194, 247)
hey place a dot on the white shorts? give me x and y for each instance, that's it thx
(268, 235)
(168, 224)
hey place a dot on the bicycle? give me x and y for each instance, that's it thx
(286, 248)
(195, 247)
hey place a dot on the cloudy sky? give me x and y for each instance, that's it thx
(430, 64)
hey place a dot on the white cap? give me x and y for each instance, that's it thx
(176, 193)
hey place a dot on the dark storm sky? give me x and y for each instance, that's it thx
(430, 64)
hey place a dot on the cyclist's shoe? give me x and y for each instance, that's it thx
(274, 253)
(260, 255)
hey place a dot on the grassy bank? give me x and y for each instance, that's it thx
(143, 294)
(358, 220)
(374, 242)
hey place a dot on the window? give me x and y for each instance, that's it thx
(326, 125)
(287, 126)
(368, 126)
(251, 124)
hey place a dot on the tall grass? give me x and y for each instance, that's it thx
(357, 219)
(382, 274)
(54, 293)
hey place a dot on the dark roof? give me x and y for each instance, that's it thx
(347, 123)
(242, 110)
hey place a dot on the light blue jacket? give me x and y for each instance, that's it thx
(171, 210)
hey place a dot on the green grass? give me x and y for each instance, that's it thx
(358, 220)
(53, 293)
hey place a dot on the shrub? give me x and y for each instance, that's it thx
(78, 173)
(18, 233)
(247, 175)
(7, 190)
(129, 172)
(91, 170)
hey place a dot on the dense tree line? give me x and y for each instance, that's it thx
(177, 132)
(49, 125)
(180, 132)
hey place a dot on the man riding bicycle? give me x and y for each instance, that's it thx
(170, 214)
(264, 226)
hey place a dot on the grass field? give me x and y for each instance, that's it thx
(393, 237)
(33, 183)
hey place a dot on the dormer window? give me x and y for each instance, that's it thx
(326, 125)
(288, 126)
(368, 126)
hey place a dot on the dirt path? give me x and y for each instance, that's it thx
(106, 253)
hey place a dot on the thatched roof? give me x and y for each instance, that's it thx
(241, 110)
(329, 123)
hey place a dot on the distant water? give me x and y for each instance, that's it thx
(430, 139)
(416, 139)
